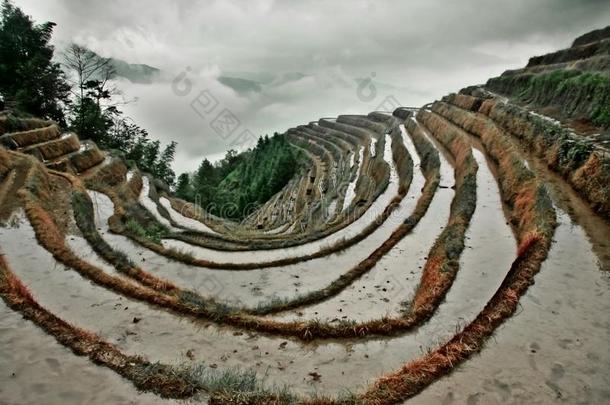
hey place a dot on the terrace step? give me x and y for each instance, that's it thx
(5, 185)
(111, 170)
(10, 123)
(436, 271)
(15, 140)
(87, 157)
(55, 148)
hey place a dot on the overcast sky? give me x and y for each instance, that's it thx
(407, 51)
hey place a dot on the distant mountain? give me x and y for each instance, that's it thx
(244, 83)
(241, 86)
(135, 72)
(287, 78)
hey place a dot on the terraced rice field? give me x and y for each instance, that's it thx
(433, 253)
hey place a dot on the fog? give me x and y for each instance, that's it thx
(294, 62)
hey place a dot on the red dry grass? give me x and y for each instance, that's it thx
(5, 162)
(431, 282)
(593, 178)
(165, 381)
(528, 241)
(13, 286)
(51, 238)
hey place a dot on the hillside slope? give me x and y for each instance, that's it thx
(458, 252)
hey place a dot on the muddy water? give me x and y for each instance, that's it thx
(151, 206)
(247, 287)
(181, 220)
(394, 278)
(490, 244)
(259, 256)
(165, 337)
(162, 336)
(250, 287)
(483, 266)
(38, 370)
(389, 157)
(490, 250)
(484, 263)
(352, 157)
(373, 147)
(81, 246)
(564, 197)
(555, 349)
(350, 192)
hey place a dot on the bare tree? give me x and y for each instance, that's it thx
(93, 74)
(91, 79)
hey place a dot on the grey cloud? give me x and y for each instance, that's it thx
(416, 50)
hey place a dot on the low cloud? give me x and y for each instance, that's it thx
(412, 51)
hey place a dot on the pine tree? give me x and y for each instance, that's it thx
(163, 169)
(183, 188)
(28, 76)
(151, 156)
(244, 180)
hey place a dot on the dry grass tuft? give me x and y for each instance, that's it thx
(528, 241)
(55, 148)
(34, 136)
(164, 380)
(525, 198)
(20, 294)
(535, 240)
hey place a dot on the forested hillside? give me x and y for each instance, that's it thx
(74, 87)
(454, 253)
(238, 184)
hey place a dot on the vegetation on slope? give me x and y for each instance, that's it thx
(93, 114)
(28, 77)
(239, 183)
(529, 208)
(573, 157)
(577, 94)
(78, 95)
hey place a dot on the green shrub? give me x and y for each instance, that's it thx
(234, 187)
(574, 154)
(154, 232)
(602, 118)
(578, 94)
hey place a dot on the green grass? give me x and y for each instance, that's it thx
(237, 386)
(574, 154)
(234, 187)
(209, 306)
(576, 93)
(602, 117)
(153, 232)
